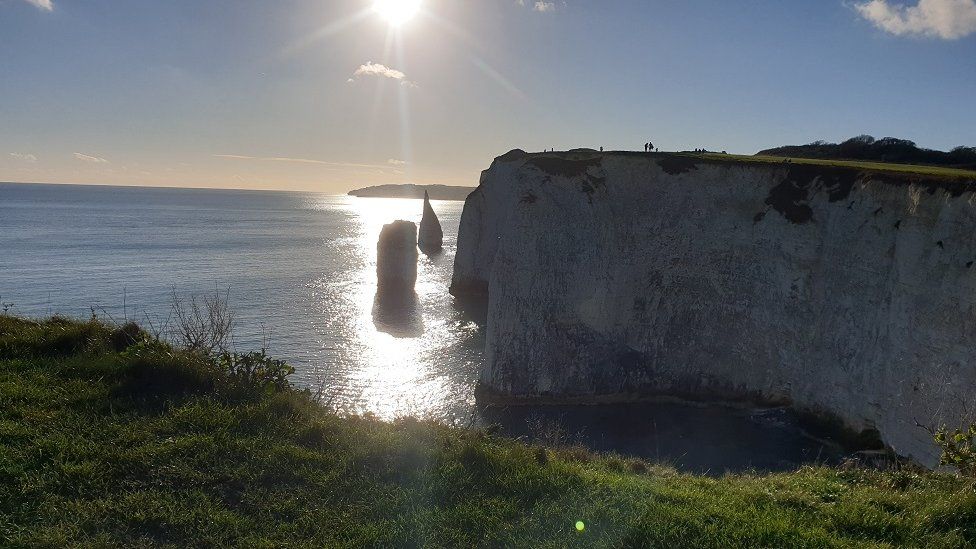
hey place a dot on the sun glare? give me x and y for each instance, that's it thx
(397, 12)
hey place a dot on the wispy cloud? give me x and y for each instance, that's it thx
(237, 156)
(298, 161)
(90, 159)
(381, 71)
(540, 6)
(395, 162)
(25, 157)
(46, 5)
(946, 19)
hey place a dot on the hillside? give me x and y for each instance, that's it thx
(108, 443)
(887, 150)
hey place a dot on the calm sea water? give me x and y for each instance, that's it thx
(299, 269)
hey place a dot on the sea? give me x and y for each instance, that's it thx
(298, 271)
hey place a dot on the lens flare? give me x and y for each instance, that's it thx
(397, 12)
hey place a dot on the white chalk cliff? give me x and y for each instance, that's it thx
(620, 276)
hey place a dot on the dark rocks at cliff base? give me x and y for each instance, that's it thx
(431, 235)
(396, 257)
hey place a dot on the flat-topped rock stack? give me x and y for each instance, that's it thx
(396, 257)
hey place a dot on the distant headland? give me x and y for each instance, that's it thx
(437, 192)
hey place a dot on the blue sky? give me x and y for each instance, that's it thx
(259, 94)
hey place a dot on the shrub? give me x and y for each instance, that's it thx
(126, 336)
(205, 325)
(256, 370)
(159, 371)
(958, 448)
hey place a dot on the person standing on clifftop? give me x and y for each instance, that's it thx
(645, 147)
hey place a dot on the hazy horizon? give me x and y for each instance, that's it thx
(332, 96)
(223, 187)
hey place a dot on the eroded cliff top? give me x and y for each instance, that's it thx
(571, 162)
(799, 180)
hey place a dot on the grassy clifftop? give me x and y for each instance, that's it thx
(863, 165)
(104, 442)
(907, 172)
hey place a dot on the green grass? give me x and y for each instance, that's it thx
(932, 171)
(152, 446)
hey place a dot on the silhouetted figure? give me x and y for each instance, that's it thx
(650, 146)
(601, 149)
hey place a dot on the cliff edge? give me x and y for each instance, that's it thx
(841, 291)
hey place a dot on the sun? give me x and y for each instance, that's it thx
(397, 12)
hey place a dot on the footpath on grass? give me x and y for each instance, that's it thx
(110, 437)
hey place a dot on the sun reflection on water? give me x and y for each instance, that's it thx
(391, 342)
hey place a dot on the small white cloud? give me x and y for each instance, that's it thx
(381, 71)
(90, 159)
(46, 5)
(25, 157)
(544, 6)
(946, 19)
(395, 162)
(377, 69)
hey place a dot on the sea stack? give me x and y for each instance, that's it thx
(431, 235)
(396, 257)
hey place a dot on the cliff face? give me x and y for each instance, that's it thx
(628, 275)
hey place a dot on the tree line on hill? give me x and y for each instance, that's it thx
(888, 149)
